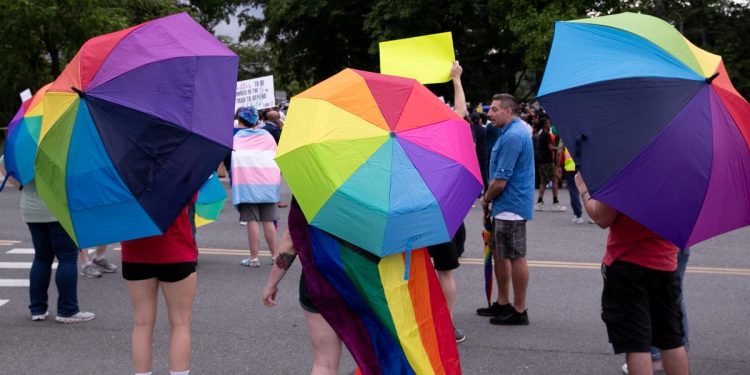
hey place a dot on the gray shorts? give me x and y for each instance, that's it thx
(260, 212)
(509, 239)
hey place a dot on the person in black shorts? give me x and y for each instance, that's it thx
(445, 258)
(326, 343)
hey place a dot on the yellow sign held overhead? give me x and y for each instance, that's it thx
(427, 58)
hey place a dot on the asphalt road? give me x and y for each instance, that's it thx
(233, 333)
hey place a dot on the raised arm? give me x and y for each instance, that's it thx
(599, 212)
(459, 98)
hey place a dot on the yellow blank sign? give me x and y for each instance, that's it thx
(427, 58)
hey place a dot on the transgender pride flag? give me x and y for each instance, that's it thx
(255, 176)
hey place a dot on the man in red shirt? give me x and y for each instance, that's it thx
(642, 293)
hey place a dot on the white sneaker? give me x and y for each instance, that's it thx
(243, 222)
(40, 317)
(624, 369)
(90, 270)
(578, 220)
(557, 207)
(540, 207)
(81, 316)
(104, 265)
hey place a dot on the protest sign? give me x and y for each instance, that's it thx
(257, 92)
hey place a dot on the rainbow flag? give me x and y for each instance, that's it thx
(488, 269)
(389, 324)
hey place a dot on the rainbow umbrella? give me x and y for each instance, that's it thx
(390, 325)
(134, 124)
(653, 122)
(24, 133)
(489, 271)
(379, 161)
(210, 201)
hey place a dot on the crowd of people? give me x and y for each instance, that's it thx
(520, 154)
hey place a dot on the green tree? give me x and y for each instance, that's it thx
(38, 37)
(310, 40)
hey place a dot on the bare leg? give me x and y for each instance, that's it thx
(83, 257)
(675, 361)
(326, 345)
(269, 232)
(143, 295)
(502, 274)
(179, 297)
(448, 284)
(253, 238)
(520, 273)
(100, 250)
(555, 183)
(639, 363)
(542, 188)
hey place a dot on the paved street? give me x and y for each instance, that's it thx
(233, 333)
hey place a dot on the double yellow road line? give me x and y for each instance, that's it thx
(479, 262)
(597, 266)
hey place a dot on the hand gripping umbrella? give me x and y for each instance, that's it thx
(658, 130)
(379, 161)
(135, 124)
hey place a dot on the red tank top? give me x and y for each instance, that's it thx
(629, 241)
(176, 245)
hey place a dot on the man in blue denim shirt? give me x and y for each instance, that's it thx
(511, 193)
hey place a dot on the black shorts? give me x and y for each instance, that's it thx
(167, 272)
(641, 308)
(444, 256)
(304, 297)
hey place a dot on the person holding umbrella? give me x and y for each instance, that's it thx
(165, 262)
(642, 290)
(326, 343)
(511, 193)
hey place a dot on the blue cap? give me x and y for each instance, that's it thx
(248, 115)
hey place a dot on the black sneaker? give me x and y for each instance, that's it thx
(515, 318)
(495, 309)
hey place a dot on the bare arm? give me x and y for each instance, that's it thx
(459, 98)
(284, 259)
(602, 214)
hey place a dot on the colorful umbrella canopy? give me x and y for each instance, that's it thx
(654, 123)
(390, 325)
(379, 161)
(24, 133)
(135, 123)
(210, 201)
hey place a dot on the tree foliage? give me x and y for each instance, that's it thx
(502, 44)
(38, 37)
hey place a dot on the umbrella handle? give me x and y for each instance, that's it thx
(578, 152)
(78, 91)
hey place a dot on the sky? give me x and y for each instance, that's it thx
(232, 29)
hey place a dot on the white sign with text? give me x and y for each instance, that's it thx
(257, 92)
